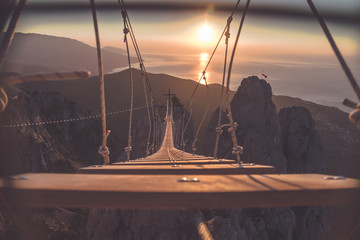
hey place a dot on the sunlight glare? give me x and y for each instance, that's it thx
(204, 58)
(205, 34)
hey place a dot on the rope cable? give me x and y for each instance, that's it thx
(336, 50)
(186, 125)
(203, 75)
(126, 31)
(103, 149)
(9, 35)
(143, 69)
(203, 118)
(144, 79)
(237, 150)
(354, 116)
(219, 130)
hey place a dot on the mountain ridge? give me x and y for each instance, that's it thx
(54, 53)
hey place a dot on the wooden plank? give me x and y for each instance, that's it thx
(181, 162)
(166, 192)
(203, 169)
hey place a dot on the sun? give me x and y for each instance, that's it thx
(205, 34)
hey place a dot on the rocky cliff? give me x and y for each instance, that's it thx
(302, 146)
(287, 141)
(258, 126)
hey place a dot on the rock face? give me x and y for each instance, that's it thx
(288, 142)
(301, 143)
(61, 147)
(258, 131)
(139, 225)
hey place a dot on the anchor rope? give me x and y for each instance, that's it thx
(103, 149)
(128, 148)
(354, 116)
(145, 76)
(9, 35)
(219, 130)
(237, 150)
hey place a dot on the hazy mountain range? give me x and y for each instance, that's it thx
(33, 53)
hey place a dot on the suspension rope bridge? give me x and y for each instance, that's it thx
(171, 178)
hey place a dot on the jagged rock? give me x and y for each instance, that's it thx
(311, 223)
(291, 145)
(60, 147)
(258, 131)
(141, 225)
(302, 146)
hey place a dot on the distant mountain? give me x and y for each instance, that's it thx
(50, 53)
(114, 50)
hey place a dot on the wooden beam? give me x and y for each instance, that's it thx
(168, 162)
(175, 168)
(169, 192)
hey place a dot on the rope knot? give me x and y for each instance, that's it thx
(237, 150)
(233, 127)
(123, 13)
(194, 150)
(219, 130)
(354, 117)
(128, 149)
(229, 20)
(104, 151)
(126, 31)
(3, 100)
(227, 34)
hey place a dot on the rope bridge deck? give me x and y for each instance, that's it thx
(161, 181)
(169, 160)
(127, 191)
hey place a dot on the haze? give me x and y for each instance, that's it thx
(293, 53)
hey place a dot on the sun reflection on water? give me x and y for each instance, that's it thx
(204, 58)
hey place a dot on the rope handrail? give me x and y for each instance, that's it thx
(103, 149)
(202, 119)
(219, 131)
(237, 150)
(128, 148)
(145, 77)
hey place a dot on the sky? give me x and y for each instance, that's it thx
(292, 52)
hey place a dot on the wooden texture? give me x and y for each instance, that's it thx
(166, 192)
(168, 162)
(176, 168)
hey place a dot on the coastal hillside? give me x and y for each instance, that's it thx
(33, 53)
